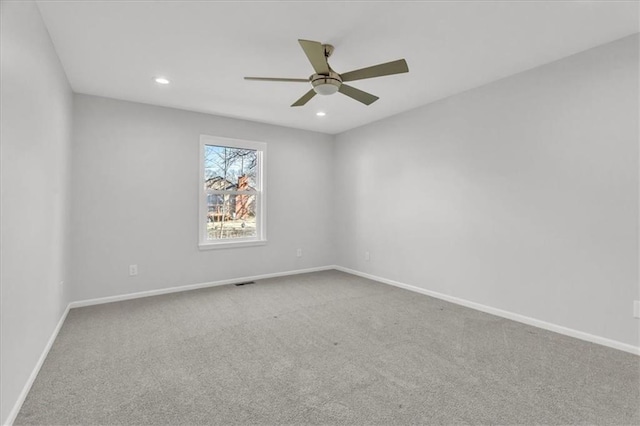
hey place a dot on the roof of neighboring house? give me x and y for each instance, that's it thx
(221, 184)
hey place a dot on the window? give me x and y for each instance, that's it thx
(232, 196)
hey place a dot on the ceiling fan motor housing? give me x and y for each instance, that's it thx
(326, 84)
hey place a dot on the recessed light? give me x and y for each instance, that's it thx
(161, 80)
(321, 113)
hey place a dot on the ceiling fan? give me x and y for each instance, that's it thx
(326, 81)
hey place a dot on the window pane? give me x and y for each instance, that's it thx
(230, 168)
(231, 184)
(231, 216)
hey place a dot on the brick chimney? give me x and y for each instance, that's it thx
(242, 201)
(243, 182)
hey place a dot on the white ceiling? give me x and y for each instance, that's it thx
(114, 48)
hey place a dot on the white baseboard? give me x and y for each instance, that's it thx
(109, 299)
(501, 313)
(34, 373)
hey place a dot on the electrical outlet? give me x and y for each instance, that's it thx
(367, 256)
(299, 252)
(636, 308)
(133, 270)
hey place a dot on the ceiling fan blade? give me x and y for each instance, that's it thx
(315, 53)
(305, 98)
(389, 68)
(293, 80)
(357, 94)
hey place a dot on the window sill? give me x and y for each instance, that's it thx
(231, 244)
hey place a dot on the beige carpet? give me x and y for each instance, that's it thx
(322, 348)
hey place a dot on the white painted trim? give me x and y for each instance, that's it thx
(128, 296)
(501, 313)
(233, 243)
(34, 373)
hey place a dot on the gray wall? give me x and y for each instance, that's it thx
(135, 199)
(35, 152)
(520, 195)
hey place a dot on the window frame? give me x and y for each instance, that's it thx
(260, 193)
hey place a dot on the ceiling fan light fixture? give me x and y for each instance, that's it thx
(326, 84)
(326, 88)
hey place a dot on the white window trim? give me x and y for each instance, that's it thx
(261, 196)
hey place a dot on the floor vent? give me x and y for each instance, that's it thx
(248, 282)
